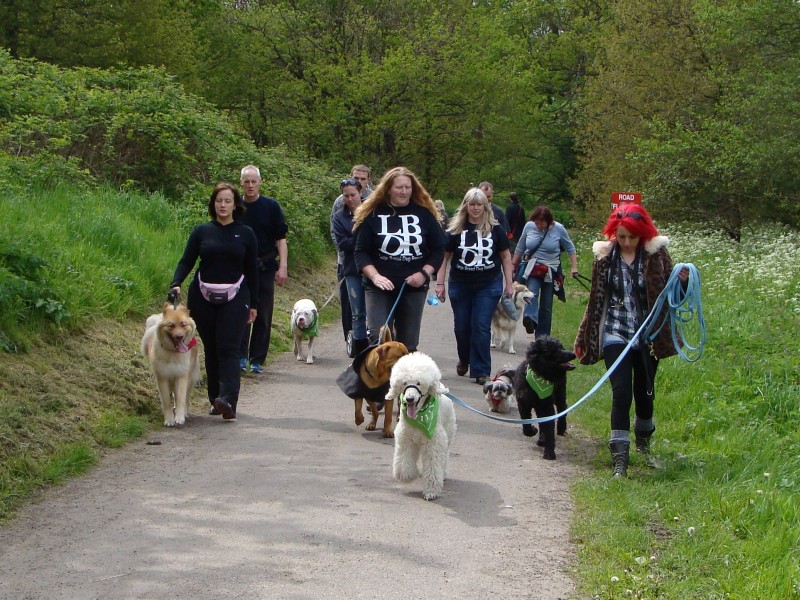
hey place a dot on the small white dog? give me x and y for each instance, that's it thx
(499, 391)
(427, 423)
(503, 326)
(304, 325)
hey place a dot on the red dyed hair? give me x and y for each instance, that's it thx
(634, 218)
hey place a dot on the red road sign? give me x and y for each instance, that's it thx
(618, 198)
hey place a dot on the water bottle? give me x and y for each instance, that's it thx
(433, 300)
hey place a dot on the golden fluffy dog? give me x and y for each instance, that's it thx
(503, 326)
(171, 348)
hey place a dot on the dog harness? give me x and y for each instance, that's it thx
(540, 385)
(427, 416)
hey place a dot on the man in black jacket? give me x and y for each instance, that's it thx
(265, 217)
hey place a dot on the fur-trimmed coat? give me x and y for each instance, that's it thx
(657, 267)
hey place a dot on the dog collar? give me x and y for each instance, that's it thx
(427, 416)
(540, 385)
(192, 344)
(311, 330)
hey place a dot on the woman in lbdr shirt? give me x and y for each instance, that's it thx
(398, 239)
(480, 272)
(228, 252)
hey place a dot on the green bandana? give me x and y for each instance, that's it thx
(311, 330)
(540, 385)
(427, 416)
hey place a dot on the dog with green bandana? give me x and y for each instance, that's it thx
(540, 386)
(427, 424)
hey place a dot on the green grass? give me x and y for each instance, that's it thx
(720, 518)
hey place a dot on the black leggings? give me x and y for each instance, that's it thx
(221, 327)
(633, 379)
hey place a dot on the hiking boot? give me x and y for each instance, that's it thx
(620, 452)
(643, 442)
(461, 369)
(213, 411)
(481, 380)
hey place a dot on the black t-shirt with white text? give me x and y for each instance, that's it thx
(476, 259)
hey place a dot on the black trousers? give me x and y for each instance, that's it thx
(344, 302)
(221, 327)
(632, 380)
(256, 346)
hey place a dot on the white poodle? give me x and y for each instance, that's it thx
(427, 423)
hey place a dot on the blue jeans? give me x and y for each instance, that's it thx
(358, 306)
(473, 306)
(541, 307)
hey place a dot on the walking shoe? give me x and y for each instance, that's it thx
(213, 411)
(480, 380)
(461, 369)
(530, 324)
(243, 365)
(224, 409)
(256, 368)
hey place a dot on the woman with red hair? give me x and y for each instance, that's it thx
(629, 272)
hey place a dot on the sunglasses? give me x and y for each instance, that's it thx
(633, 215)
(351, 181)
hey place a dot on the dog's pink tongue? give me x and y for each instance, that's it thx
(181, 346)
(411, 410)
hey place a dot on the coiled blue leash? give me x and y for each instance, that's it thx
(684, 305)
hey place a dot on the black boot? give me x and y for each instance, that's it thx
(643, 441)
(620, 452)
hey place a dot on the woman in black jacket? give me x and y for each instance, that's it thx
(223, 293)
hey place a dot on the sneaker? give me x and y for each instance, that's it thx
(213, 411)
(256, 368)
(243, 365)
(530, 324)
(461, 369)
(480, 380)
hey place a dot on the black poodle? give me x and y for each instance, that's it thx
(540, 384)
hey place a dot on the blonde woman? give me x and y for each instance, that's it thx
(477, 250)
(397, 239)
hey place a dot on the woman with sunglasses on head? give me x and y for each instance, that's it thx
(541, 242)
(629, 272)
(342, 227)
(398, 240)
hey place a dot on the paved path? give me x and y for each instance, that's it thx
(294, 501)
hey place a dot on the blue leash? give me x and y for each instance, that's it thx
(396, 302)
(683, 304)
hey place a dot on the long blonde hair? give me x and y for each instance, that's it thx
(380, 195)
(461, 218)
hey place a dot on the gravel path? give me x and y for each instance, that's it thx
(294, 501)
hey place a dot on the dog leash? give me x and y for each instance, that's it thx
(683, 304)
(396, 302)
(581, 279)
(333, 293)
(174, 297)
